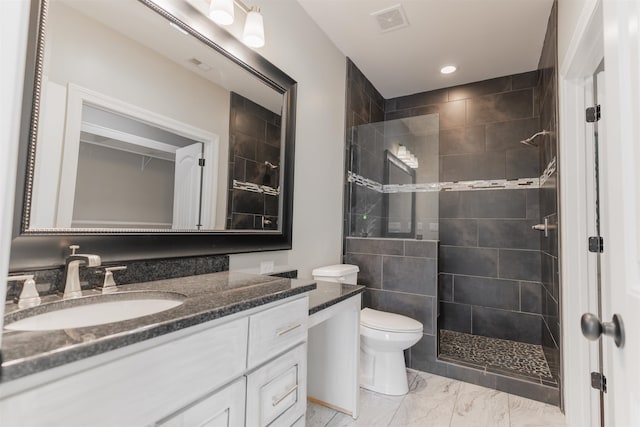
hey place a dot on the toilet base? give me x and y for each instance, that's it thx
(383, 372)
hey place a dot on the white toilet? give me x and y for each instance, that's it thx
(341, 273)
(383, 338)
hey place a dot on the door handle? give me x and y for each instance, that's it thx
(592, 328)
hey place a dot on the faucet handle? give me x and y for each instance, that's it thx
(109, 285)
(29, 296)
(74, 248)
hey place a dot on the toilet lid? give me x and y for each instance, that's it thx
(391, 322)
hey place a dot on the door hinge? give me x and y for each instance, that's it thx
(596, 244)
(599, 381)
(593, 114)
(201, 162)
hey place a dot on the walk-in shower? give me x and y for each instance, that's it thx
(452, 240)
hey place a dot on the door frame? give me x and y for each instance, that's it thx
(579, 355)
(78, 96)
(621, 207)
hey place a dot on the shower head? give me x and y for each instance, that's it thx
(529, 141)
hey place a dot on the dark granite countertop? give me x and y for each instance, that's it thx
(206, 297)
(327, 294)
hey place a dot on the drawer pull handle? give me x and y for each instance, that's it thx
(277, 400)
(287, 330)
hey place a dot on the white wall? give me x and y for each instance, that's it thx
(297, 46)
(13, 41)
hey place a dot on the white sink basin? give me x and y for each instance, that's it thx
(108, 309)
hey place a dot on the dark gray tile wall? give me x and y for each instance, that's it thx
(480, 126)
(364, 105)
(254, 139)
(548, 149)
(401, 276)
(488, 252)
(490, 264)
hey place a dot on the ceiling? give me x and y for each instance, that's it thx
(483, 38)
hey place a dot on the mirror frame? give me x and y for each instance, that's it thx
(44, 248)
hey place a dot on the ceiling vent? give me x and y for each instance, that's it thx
(200, 64)
(391, 18)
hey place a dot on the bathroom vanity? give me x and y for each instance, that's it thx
(232, 354)
(334, 346)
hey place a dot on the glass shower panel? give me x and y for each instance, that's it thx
(393, 179)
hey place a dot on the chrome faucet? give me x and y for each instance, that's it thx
(72, 271)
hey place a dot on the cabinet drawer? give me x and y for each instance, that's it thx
(277, 392)
(273, 331)
(225, 408)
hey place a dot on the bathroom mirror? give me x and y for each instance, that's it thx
(149, 131)
(399, 201)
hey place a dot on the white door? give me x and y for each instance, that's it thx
(620, 180)
(187, 187)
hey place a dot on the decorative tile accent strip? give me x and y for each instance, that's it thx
(412, 188)
(493, 184)
(364, 182)
(550, 170)
(490, 184)
(255, 188)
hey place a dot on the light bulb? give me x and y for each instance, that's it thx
(402, 152)
(253, 34)
(221, 12)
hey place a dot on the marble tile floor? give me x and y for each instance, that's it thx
(436, 401)
(525, 361)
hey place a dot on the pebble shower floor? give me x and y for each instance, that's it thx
(513, 358)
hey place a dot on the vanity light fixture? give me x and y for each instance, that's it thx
(222, 12)
(403, 153)
(407, 158)
(448, 69)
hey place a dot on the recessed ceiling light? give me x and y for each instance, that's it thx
(448, 69)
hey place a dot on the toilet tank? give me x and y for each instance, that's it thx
(342, 273)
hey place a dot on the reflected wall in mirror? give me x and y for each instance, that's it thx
(142, 126)
(399, 208)
(149, 132)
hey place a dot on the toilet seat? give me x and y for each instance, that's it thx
(389, 322)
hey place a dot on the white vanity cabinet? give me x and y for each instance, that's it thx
(224, 408)
(246, 369)
(276, 392)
